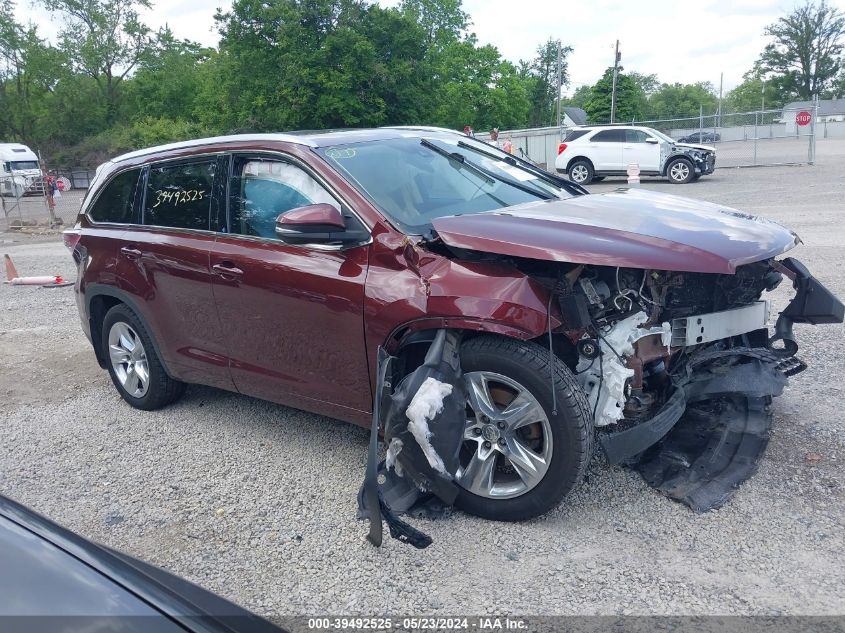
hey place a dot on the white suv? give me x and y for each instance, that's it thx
(593, 152)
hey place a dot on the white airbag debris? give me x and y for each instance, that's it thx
(426, 404)
(392, 451)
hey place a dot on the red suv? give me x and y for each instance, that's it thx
(276, 265)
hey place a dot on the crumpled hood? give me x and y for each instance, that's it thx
(631, 228)
(703, 148)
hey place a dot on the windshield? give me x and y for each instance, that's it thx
(24, 164)
(415, 180)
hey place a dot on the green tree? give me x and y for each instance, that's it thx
(540, 75)
(103, 39)
(682, 100)
(579, 98)
(290, 64)
(444, 21)
(167, 80)
(753, 94)
(479, 89)
(806, 48)
(629, 98)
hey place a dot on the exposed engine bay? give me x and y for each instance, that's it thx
(679, 370)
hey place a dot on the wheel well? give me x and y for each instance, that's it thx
(674, 158)
(577, 158)
(412, 350)
(97, 309)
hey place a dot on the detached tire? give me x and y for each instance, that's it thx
(581, 171)
(134, 366)
(680, 171)
(519, 458)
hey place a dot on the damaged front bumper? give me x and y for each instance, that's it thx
(709, 434)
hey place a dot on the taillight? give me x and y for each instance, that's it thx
(71, 238)
(561, 148)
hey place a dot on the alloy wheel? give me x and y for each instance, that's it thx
(578, 173)
(129, 359)
(679, 171)
(507, 438)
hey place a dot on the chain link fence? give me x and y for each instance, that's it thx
(38, 202)
(744, 139)
(747, 139)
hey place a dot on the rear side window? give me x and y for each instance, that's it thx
(179, 196)
(116, 201)
(574, 134)
(609, 136)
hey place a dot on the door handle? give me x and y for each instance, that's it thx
(227, 270)
(130, 253)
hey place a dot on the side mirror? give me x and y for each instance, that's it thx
(652, 140)
(315, 223)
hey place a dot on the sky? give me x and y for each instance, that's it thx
(678, 41)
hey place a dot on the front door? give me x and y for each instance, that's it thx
(638, 151)
(294, 314)
(606, 149)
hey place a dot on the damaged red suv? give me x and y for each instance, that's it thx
(278, 265)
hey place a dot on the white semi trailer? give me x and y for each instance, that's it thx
(20, 173)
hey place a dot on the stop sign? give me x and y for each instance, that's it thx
(803, 118)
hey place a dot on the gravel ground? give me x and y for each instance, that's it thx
(257, 501)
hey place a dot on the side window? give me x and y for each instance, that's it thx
(609, 136)
(635, 136)
(574, 134)
(262, 190)
(116, 201)
(179, 196)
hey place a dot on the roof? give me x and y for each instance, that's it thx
(308, 138)
(578, 116)
(826, 106)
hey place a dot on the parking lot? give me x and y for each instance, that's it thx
(257, 501)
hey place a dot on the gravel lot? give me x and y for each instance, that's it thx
(257, 501)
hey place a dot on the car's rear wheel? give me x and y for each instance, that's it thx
(134, 366)
(680, 171)
(524, 449)
(581, 171)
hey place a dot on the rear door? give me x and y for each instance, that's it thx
(166, 265)
(606, 149)
(293, 314)
(637, 150)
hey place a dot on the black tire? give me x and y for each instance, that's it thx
(581, 171)
(161, 389)
(680, 171)
(572, 427)
(696, 177)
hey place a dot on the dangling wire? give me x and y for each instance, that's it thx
(551, 351)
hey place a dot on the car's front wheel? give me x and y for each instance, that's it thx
(680, 171)
(529, 433)
(581, 171)
(134, 366)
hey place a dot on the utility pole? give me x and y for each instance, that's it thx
(721, 79)
(557, 91)
(616, 58)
